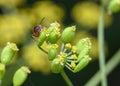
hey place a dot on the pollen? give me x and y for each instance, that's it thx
(55, 45)
(63, 55)
(68, 46)
(72, 65)
(74, 56)
(56, 24)
(57, 31)
(74, 49)
(73, 28)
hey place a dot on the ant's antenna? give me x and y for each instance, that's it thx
(42, 20)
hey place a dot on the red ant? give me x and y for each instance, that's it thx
(37, 29)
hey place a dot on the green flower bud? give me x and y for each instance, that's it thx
(82, 43)
(54, 36)
(68, 34)
(20, 76)
(52, 53)
(2, 70)
(54, 32)
(82, 64)
(53, 26)
(42, 37)
(8, 53)
(83, 52)
(57, 65)
(114, 6)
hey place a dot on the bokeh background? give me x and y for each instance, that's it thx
(19, 17)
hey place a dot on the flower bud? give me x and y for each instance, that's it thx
(20, 76)
(8, 53)
(82, 43)
(2, 70)
(82, 64)
(42, 37)
(54, 36)
(68, 34)
(52, 53)
(53, 26)
(54, 33)
(83, 52)
(114, 6)
(57, 65)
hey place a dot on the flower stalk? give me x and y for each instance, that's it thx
(101, 47)
(43, 50)
(0, 82)
(110, 66)
(65, 77)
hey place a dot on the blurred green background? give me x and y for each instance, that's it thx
(18, 18)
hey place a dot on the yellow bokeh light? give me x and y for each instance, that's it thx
(36, 59)
(11, 3)
(13, 27)
(49, 10)
(87, 14)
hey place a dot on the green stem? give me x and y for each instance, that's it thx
(111, 64)
(62, 47)
(65, 77)
(43, 50)
(101, 47)
(0, 82)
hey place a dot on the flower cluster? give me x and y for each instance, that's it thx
(74, 57)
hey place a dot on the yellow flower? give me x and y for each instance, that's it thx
(87, 14)
(48, 10)
(36, 59)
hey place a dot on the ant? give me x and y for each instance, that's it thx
(37, 29)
